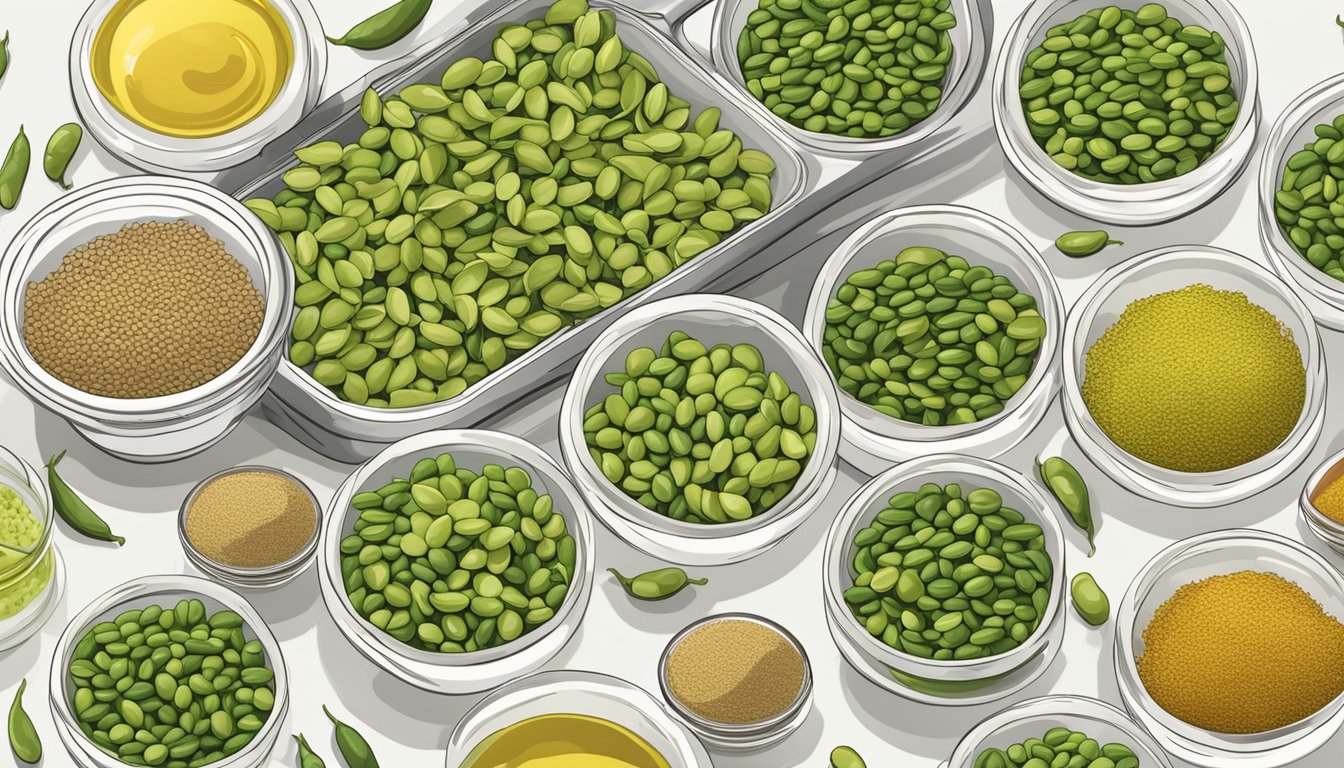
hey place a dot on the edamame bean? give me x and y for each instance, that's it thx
(1089, 600)
(61, 148)
(23, 738)
(1068, 487)
(656, 585)
(1059, 747)
(1084, 243)
(73, 509)
(1309, 198)
(354, 748)
(930, 339)
(307, 757)
(846, 757)
(385, 27)
(4, 54)
(1126, 96)
(700, 435)
(14, 171)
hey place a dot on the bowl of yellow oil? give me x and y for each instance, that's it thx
(187, 88)
(572, 719)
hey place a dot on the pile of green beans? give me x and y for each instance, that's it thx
(928, 338)
(859, 68)
(947, 575)
(453, 561)
(701, 435)
(478, 216)
(1309, 205)
(1059, 748)
(1129, 97)
(173, 687)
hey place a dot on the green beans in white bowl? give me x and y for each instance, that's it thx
(712, 452)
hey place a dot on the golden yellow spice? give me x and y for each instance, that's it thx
(735, 671)
(1245, 652)
(1196, 380)
(251, 519)
(154, 309)
(1329, 501)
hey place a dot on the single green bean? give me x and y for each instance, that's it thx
(308, 758)
(23, 738)
(4, 54)
(14, 171)
(385, 27)
(656, 585)
(73, 510)
(61, 148)
(1068, 487)
(846, 757)
(1339, 20)
(355, 750)
(1089, 599)
(1084, 243)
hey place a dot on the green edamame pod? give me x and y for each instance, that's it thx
(656, 585)
(4, 54)
(61, 148)
(14, 171)
(23, 738)
(1089, 599)
(846, 757)
(308, 758)
(73, 510)
(385, 27)
(355, 750)
(1339, 20)
(1068, 487)
(1084, 243)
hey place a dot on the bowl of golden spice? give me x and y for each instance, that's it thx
(149, 312)
(1229, 649)
(1193, 376)
(1321, 503)
(182, 88)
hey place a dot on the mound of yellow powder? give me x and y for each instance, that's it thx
(1247, 652)
(1196, 380)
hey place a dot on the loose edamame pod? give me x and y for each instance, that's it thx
(1339, 20)
(14, 171)
(23, 738)
(1084, 242)
(61, 148)
(73, 510)
(1089, 600)
(308, 758)
(355, 750)
(656, 585)
(385, 27)
(846, 757)
(1068, 487)
(4, 54)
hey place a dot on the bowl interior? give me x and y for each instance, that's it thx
(982, 241)
(245, 574)
(19, 476)
(1032, 719)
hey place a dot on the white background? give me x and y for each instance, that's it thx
(1298, 45)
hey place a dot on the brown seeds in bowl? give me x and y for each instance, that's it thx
(250, 519)
(735, 671)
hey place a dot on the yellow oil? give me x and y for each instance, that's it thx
(565, 741)
(192, 68)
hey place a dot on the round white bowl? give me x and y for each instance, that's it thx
(458, 673)
(711, 319)
(1197, 558)
(1127, 204)
(152, 429)
(873, 441)
(928, 681)
(1173, 268)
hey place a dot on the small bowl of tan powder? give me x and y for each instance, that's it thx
(250, 527)
(740, 681)
(151, 313)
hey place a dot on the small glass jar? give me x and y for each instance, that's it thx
(32, 578)
(1173, 268)
(711, 319)
(1326, 528)
(873, 441)
(1031, 719)
(165, 591)
(930, 681)
(1127, 204)
(1200, 557)
(459, 673)
(573, 692)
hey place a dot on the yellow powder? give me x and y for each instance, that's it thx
(251, 519)
(735, 671)
(1329, 501)
(1247, 652)
(1196, 380)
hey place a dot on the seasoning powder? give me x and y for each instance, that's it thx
(1246, 652)
(735, 671)
(1329, 501)
(1196, 380)
(251, 519)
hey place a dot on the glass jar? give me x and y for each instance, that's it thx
(32, 574)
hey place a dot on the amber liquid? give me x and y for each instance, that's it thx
(564, 741)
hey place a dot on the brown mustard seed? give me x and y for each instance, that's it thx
(251, 519)
(735, 671)
(154, 309)
(1247, 652)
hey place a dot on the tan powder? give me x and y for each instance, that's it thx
(251, 519)
(154, 309)
(735, 671)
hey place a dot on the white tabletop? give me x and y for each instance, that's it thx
(1298, 45)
